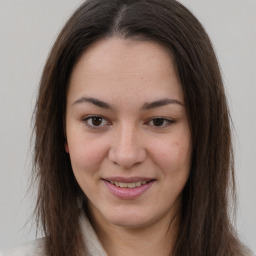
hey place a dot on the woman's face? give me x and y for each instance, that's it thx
(127, 132)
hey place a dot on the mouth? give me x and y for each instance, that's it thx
(128, 188)
(128, 185)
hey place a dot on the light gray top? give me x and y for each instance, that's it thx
(36, 248)
(94, 247)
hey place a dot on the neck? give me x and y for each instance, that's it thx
(155, 239)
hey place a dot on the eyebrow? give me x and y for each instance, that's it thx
(94, 101)
(146, 106)
(160, 103)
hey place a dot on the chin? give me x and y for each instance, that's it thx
(131, 219)
(130, 222)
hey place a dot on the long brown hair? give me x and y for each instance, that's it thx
(205, 227)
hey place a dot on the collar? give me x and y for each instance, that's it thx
(92, 242)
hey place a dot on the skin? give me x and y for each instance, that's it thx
(131, 139)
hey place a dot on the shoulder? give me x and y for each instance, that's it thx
(33, 248)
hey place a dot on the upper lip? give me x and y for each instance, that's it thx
(127, 179)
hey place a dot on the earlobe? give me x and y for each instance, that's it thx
(66, 147)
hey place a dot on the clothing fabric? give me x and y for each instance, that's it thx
(94, 247)
(36, 248)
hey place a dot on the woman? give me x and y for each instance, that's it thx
(133, 154)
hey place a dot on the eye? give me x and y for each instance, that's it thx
(160, 122)
(95, 121)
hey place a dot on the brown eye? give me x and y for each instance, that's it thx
(160, 122)
(95, 121)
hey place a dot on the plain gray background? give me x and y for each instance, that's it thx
(28, 29)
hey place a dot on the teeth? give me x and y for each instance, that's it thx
(128, 185)
(131, 185)
(122, 185)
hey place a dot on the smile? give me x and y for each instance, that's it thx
(128, 185)
(128, 188)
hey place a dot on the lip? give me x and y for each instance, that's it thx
(128, 193)
(127, 179)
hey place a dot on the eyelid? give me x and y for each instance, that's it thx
(168, 120)
(106, 122)
(86, 118)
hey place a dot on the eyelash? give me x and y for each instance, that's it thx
(88, 119)
(166, 122)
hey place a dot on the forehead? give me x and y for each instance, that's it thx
(123, 67)
(109, 53)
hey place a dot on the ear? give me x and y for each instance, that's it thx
(66, 147)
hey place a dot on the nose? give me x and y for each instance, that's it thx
(126, 147)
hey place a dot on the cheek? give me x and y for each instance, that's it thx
(86, 156)
(173, 154)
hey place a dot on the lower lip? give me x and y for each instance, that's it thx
(128, 193)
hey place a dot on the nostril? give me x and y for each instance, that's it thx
(126, 153)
